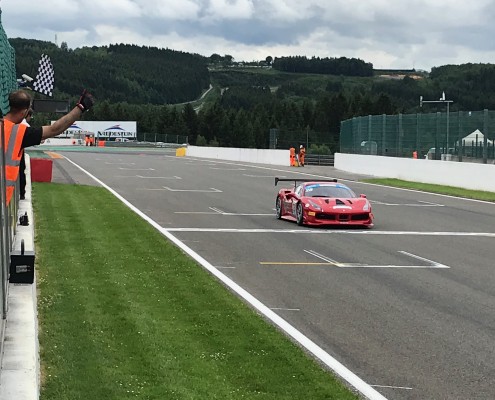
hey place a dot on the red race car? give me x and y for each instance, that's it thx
(322, 202)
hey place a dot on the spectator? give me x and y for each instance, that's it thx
(19, 136)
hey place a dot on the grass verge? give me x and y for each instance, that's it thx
(124, 314)
(427, 187)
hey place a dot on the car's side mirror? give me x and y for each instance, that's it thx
(363, 196)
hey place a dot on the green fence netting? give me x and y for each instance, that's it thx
(467, 134)
(7, 69)
(7, 84)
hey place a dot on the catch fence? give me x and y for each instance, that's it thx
(460, 135)
(8, 214)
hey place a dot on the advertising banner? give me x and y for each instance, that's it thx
(109, 130)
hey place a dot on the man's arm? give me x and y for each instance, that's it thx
(61, 124)
(84, 104)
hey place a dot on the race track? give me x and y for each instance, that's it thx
(408, 306)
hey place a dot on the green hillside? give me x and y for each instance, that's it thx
(137, 75)
(247, 99)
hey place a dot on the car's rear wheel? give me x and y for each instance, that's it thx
(278, 208)
(299, 214)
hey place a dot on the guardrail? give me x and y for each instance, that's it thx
(319, 159)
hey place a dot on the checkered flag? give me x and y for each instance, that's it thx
(45, 78)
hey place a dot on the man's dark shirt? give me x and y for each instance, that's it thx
(32, 137)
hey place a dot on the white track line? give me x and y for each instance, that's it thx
(346, 374)
(322, 257)
(432, 264)
(333, 232)
(393, 387)
(148, 177)
(210, 190)
(427, 204)
(158, 177)
(136, 169)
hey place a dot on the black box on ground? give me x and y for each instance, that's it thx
(22, 267)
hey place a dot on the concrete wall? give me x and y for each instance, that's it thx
(451, 173)
(62, 142)
(261, 156)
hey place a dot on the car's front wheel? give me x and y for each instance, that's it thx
(278, 208)
(299, 214)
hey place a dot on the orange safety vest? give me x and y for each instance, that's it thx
(14, 134)
(292, 156)
(302, 153)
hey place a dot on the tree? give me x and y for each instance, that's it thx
(383, 105)
(269, 60)
(242, 130)
(322, 115)
(215, 58)
(201, 141)
(227, 59)
(337, 112)
(190, 118)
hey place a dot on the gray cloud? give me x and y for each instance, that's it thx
(418, 33)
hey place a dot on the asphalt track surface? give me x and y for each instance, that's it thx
(408, 306)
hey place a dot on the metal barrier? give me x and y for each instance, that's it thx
(319, 159)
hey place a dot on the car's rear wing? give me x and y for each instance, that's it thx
(277, 180)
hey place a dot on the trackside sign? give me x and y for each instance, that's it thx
(101, 129)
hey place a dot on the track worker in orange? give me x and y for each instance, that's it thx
(18, 136)
(302, 153)
(293, 161)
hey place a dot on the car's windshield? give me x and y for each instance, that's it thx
(325, 190)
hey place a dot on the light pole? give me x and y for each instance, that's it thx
(442, 100)
(307, 138)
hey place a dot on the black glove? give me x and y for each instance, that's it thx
(86, 101)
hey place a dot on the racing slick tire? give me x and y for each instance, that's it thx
(299, 214)
(278, 208)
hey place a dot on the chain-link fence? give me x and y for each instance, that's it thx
(460, 135)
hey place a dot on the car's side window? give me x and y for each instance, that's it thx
(299, 190)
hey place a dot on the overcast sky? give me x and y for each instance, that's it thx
(417, 34)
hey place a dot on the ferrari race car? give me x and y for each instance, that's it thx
(322, 202)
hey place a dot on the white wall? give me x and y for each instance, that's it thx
(62, 142)
(261, 156)
(451, 173)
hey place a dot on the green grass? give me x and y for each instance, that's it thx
(124, 314)
(426, 187)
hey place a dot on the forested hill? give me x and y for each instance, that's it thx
(331, 66)
(306, 99)
(118, 73)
